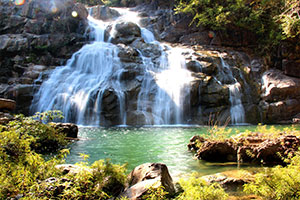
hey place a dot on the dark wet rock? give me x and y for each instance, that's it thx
(110, 114)
(138, 118)
(7, 104)
(71, 130)
(128, 54)
(104, 13)
(291, 67)
(147, 49)
(217, 151)
(145, 176)
(192, 146)
(200, 38)
(125, 33)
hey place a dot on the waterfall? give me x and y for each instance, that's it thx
(92, 76)
(77, 88)
(237, 109)
(170, 81)
(237, 112)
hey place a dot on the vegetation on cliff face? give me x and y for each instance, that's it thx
(272, 20)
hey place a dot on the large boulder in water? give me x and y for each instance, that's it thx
(124, 32)
(104, 13)
(145, 176)
(71, 130)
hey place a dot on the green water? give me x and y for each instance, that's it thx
(136, 146)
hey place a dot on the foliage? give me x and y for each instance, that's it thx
(158, 193)
(198, 189)
(19, 166)
(101, 180)
(271, 20)
(290, 18)
(23, 171)
(270, 132)
(43, 137)
(278, 182)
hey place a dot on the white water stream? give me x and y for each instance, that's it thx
(237, 112)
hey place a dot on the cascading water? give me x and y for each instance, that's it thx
(237, 112)
(79, 87)
(172, 87)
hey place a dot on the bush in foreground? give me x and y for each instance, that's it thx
(278, 183)
(198, 189)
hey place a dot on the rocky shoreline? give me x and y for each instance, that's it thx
(254, 148)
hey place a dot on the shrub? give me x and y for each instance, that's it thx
(101, 180)
(23, 171)
(20, 167)
(43, 138)
(198, 189)
(278, 183)
(155, 194)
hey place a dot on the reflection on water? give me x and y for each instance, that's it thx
(136, 146)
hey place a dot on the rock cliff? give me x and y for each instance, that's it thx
(33, 37)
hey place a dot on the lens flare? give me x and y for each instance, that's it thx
(19, 2)
(74, 14)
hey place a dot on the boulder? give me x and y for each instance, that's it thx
(280, 111)
(291, 67)
(276, 86)
(7, 104)
(217, 151)
(255, 148)
(128, 54)
(145, 176)
(231, 181)
(5, 118)
(280, 96)
(71, 130)
(104, 13)
(274, 150)
(124, 32)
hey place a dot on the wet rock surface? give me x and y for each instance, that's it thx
(71, 130)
